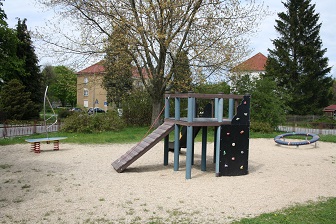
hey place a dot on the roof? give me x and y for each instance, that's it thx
(255, 63)
(95, 68)
(330, 108)
(99, 68)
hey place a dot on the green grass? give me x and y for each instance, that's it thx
(311, 213)
(129, 135)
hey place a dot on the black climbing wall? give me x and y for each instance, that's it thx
(234, 146)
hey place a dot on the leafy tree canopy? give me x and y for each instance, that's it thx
(15, 101)
(214, 33)
(267, 99)
(297, 62)
(9, 62)
(64, 88)
(118, 78)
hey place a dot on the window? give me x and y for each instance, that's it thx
(86, 103)
(86, 92)
(86, 80)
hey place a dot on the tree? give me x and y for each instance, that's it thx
(215, 33)
(181, 80)
(16, 101)
(31, 77)
(65, 86)
(118, 78)
(49, 79)
(297, 62)
(9, 62)
(334, 92)
(267, 101)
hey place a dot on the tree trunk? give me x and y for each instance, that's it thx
(156, 116)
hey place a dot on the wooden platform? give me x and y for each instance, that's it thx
(36, 143)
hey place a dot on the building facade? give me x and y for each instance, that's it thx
(90, 91)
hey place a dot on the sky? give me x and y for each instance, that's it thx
(260, 42)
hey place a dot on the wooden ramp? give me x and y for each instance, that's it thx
(142, 147)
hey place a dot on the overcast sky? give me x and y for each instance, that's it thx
(37, 17)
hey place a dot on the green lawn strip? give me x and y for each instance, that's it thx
(132, 135)
(311, 213)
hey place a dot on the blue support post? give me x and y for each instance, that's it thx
(204, 147)
(215, 131)
(219, 119)
(193, 136)
(189, 138)
(177, 136)
(166, 139)
(231, 108)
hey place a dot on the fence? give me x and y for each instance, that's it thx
(12, 130)
(308, 124)
(307, 130)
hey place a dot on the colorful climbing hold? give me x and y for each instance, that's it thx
(233, 144)
(233, 158)
(242, 132)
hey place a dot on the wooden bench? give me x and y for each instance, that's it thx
(35, 143)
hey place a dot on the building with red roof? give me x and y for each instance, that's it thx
(90, 92)
(252, 67)
(330, 111)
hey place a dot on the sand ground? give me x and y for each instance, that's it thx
(78, 184)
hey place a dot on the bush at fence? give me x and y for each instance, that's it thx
(84, 123)
(262, 127)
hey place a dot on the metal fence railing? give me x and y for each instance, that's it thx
(12, 130)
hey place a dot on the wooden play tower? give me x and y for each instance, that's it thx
(231, 146)
(231, 132)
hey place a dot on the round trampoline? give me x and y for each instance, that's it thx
(280, 139)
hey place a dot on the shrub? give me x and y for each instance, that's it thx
(84, 123)
(137, 109)
(64, 113)
(262, 127)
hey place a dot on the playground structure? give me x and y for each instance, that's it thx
(36, 143)
(280, 139)
(231, 145)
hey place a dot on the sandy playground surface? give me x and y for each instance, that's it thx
(78, 184)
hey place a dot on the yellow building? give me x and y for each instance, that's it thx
(90, 92)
